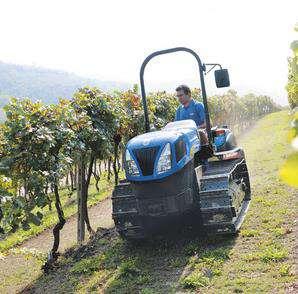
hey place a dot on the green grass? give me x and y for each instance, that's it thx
(261, 260)
(258, 260)
(69, 204)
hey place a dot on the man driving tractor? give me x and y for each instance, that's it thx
(191, 109)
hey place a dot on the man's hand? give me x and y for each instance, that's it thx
(202, 126)
(203, 136)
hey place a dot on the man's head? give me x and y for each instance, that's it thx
(184, 94)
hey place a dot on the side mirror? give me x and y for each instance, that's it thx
(222, 78)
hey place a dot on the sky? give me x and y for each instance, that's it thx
(108, 39)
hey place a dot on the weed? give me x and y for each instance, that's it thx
(278, 232)
(191, 249)
(285, 270)
(147, 291)
(273, 253)
(250, 233)
(128, 268)
(86, 266)
(178, 262)
(29, 252)
(194, 281)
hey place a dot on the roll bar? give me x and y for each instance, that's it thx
(202, 69)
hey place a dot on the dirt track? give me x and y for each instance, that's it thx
(14, 267)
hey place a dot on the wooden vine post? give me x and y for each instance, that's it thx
(81, 222)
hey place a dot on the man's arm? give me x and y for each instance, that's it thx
(177, 115)
(201, 113)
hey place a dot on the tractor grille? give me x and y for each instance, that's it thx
(146, 159)
(180, 149)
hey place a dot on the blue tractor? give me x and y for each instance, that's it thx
(167, 182)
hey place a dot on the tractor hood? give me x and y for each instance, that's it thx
(143, 152)
(154, 138)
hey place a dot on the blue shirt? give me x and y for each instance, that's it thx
(195, 111)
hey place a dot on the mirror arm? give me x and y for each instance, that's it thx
(213, 66)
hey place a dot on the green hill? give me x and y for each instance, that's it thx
(45, 84)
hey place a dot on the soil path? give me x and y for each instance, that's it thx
(99, 214)
(14, 269)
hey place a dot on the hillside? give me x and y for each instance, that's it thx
(259, 260)
(45, 84)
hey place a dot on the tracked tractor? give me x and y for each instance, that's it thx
(166, 182)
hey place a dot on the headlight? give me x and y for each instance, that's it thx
(131, 165)
(164, 161)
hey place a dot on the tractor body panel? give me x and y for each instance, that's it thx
(146, 149)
